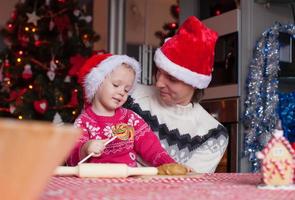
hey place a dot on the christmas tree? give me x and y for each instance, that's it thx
(170, 28)
(46, 43)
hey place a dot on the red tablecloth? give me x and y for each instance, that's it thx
(208, 187)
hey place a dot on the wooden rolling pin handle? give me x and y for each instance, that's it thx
(66, 171)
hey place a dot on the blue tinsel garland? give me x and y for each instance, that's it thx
(286, 110)
(262, 97)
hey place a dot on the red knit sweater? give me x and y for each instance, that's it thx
(144, 143)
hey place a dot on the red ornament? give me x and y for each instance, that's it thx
(10, 27)
(13, 15)
(173, 26)
(20, 53)
(38, 43)
(76, 61)
(23, 39)
(27, 73)
(74, 98)
(6, 63)
(41, 106)
(7, 75)
(170, 26)
(174, 9)
(177, 10)
(26, 76)
(217, 12)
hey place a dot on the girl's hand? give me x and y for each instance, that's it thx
(95, 146)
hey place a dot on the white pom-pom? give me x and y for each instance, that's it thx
(67, 79)
(278, 133)
(88, 19)
(51, 25)
(51, 75)
(12, 109)
(77, 12)
(259, 155)
(70, 34)
(36, 37)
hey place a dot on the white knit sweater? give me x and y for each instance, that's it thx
(189, 133)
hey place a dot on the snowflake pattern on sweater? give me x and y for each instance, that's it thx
(145, 143)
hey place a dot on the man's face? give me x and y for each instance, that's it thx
(171, 90)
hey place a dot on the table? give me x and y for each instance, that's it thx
(224, 186)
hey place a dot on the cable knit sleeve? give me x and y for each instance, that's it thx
(74, 156)
(146, 143)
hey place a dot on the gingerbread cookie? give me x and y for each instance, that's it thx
(172, 169)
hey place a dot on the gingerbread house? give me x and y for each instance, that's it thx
(277, 161)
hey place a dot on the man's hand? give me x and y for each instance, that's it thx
(173, 169)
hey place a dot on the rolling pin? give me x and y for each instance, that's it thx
(104, 170)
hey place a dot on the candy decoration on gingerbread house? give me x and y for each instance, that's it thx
(278, 159)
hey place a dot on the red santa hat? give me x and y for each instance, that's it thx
(189, 55)
(97, 67)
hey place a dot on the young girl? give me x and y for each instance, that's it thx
(107, 80)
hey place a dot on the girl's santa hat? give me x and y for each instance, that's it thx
(189, 55)
(97, 67)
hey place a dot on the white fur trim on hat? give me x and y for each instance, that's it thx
(98, 73)
(194, 79)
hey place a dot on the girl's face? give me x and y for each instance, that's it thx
(173, 91)
(113, 91)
